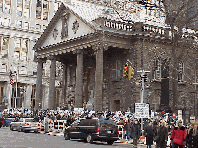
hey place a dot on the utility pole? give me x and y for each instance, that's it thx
(143, 77)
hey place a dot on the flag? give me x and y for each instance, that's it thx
(11, 78)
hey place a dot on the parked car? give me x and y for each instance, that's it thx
(92, 130)
(30, 125)
(18, 122)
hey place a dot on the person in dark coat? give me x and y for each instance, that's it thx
(149, 134)
(127, 128)
(162, 132)
(189, 137)
(135, 132)
(195, 135)
(178, 135)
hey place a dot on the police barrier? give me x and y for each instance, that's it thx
(55, 125)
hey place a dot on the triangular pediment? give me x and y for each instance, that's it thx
(64, 25)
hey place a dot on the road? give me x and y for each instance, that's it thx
(14, 139)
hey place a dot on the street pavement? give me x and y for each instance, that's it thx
(14, 139)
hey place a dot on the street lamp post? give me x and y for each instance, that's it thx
(142, 92)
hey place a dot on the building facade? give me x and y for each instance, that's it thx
(21, 24)
(92, 55)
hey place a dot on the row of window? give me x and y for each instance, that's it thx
(24, 8)
(19, 24)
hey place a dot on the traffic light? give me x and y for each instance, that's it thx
(131, 72)
(125, 71)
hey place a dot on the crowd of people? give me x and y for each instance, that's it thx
(158, 131)
(155, 130)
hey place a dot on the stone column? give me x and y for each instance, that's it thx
(98, 92)
(45, 97)
(51, 102)
(28, 96)
(64, 84)
(39, 84)
(79, 80)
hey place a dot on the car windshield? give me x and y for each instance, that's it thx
(75, 123)
(29, 120)
(102, 122)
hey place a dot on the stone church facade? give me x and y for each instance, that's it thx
(91, 58)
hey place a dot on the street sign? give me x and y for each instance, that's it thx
(141, 110)
(179, 114)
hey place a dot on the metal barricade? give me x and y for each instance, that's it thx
(120, 132)
(57, 125)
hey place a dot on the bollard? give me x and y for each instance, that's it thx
(46, 127)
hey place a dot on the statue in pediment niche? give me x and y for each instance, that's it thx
(75, 26)
(65, 17)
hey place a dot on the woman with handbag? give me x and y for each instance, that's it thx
(161, 135)
(178, 135)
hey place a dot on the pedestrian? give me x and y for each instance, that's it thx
(178, 135)
(189, 137)
(195, 135)
(135, 133)
(149, 134)
(127, 127)
(161, 135)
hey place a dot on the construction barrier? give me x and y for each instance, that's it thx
(120, 132)
(56, 125)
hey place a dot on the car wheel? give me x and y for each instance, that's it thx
(35, 131)
(66, 135)
(89, 138)
(11, 128)
(110, 142)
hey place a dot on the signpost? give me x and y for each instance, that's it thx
(141, 110)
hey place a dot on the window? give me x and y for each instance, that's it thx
(6, 22)
(17, 49)
(18, 24)
(22, 70)
(84, 123)
(181, 71)
(1, 6)
(38, 26)
(75, 123)
(157, 69)
(38, 9)
(26, 25)
(24, 50)
(5, 46)
(7, 6)
(26, 11)
(3, 68)
(19, 7)
(92, 122)
(116, 71)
